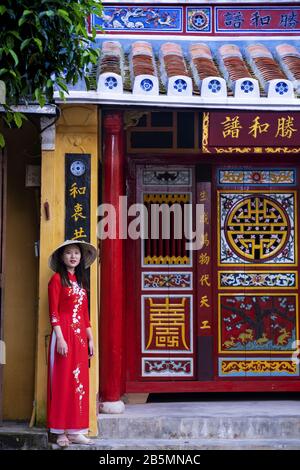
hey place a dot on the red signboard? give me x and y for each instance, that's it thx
(254, 132)
(252, 19)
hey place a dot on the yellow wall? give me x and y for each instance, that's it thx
(21, 275)
(76, 132)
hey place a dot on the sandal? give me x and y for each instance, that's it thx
(79, 439)
(62, 441)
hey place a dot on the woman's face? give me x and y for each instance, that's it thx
(71, 256)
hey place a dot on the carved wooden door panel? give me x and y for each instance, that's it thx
(257, 273)
(222, 317)
(165, 281)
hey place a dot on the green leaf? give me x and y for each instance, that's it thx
(49, 13)
(22, 21)
(25, 43)
(10, 42)
(62, 95)
(27, 12)
(57, 30)
(18, 119)
(37, 93)
(39, 44)
(14, 56)
(62, 84)
(23, 18)
(42, 101)
(64, 14)
(16, 34)
(2, 141)
(39, 96)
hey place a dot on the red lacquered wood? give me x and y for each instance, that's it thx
(136, 383)
(112, 265)
(242, 385)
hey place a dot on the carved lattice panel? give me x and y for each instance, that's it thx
(256, 228)
(166, 244)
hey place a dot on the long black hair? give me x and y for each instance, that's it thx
(80, 270)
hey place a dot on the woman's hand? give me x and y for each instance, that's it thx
(62, 347)
(91, 348)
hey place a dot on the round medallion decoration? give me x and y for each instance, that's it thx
(247, 86)
(214, 86)
(111, 83)
(281, 88)
(199, 20)
(180, 85)
(257, 228)
(77, 168)
(146, 84)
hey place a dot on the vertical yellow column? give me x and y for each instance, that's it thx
(76, 132)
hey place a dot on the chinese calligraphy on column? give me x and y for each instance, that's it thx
(77, 197)
(204, 264)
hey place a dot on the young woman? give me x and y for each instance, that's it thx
(71, 343)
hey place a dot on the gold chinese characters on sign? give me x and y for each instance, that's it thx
(252, 131)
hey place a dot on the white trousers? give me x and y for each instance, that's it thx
(69, 431)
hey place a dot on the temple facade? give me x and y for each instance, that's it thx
(195, 109)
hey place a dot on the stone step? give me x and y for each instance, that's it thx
(212, 420)
(15, 436)
(188, 444)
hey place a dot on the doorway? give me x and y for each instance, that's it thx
(223, 317)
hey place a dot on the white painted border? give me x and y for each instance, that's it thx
(192, 102)
(186, 38)
(48, 109)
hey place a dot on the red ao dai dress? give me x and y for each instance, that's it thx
(68, 376)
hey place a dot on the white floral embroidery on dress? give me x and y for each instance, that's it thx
(54, 318)
(79, 293)
(79, 389)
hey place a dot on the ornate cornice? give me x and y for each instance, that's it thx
(78, 119)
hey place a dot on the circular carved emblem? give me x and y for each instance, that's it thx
(199, 20)
(257, 228)
(77, 168)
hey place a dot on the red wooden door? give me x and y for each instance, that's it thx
(162, 331)
(225, 316)
(257, 272)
